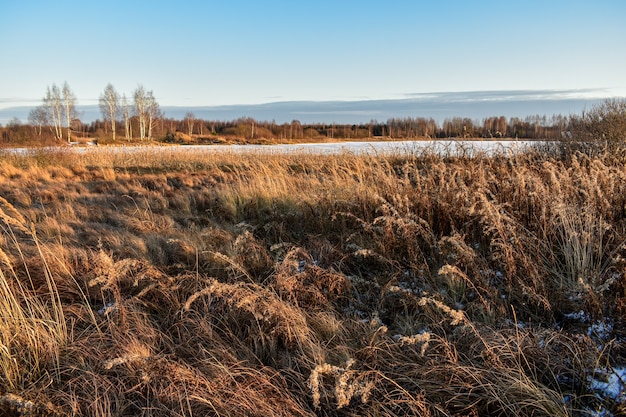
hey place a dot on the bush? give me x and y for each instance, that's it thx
(603, 128)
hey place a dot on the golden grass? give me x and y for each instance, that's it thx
(33, 328)
(167, 283)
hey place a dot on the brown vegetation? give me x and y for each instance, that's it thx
(201, 284)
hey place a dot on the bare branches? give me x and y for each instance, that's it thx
(69, 104)
(54, 108)
(147, 111)
(110, 106)
(59, 108)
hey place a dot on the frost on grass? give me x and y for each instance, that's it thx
(457, 316)
(416, 339)
(348, 384)
(12, 404)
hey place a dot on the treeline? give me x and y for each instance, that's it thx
(161, 128)
(141, 119)
(531, 127)
(57, 119)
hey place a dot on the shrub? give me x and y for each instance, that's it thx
(602, 127)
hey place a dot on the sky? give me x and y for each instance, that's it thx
(241, 52)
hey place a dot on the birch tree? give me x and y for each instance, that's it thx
(69, 102)
(141, 110)
(52, 103)
(128, 131)
(190, 119)
(147, 111)
(110, 107)
(153, 112)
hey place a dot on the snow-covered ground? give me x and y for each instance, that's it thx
(436, 146)
(608, 384)
(445, 147)
(442, 147)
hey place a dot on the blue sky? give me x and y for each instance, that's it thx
(193, 53)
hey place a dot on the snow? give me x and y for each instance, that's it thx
(580, 316)
(107, 308)
(441, 147)
(609, 384)
(601, 330)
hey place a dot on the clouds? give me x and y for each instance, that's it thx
(473, 104)
(476, 105)
(511, 95)
(6, 102)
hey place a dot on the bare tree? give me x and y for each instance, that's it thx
(69, 101)
(190, 120)
(38, 117)
(501, 126)
(110, 106)
(147, 111)
(128, 131)
(52, 103)
(153, 112)
(141, 110)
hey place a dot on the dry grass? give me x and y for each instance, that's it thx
(161, 283)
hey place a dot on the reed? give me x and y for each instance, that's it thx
(169, 283)
(33, 330)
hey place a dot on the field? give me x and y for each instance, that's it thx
(229, 284)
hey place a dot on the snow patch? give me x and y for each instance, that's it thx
(580, 316)
(107, 308)
(601, 330)
(609, 384)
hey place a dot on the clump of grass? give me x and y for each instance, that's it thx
(257, 315)
(581, 240)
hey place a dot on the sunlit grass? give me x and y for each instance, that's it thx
(199, 283)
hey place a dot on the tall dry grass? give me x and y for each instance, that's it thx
(169, 283)
(33, 328)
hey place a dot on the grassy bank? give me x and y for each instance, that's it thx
(260, 284)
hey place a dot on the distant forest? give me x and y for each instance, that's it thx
(254, 131)
(140, 119)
